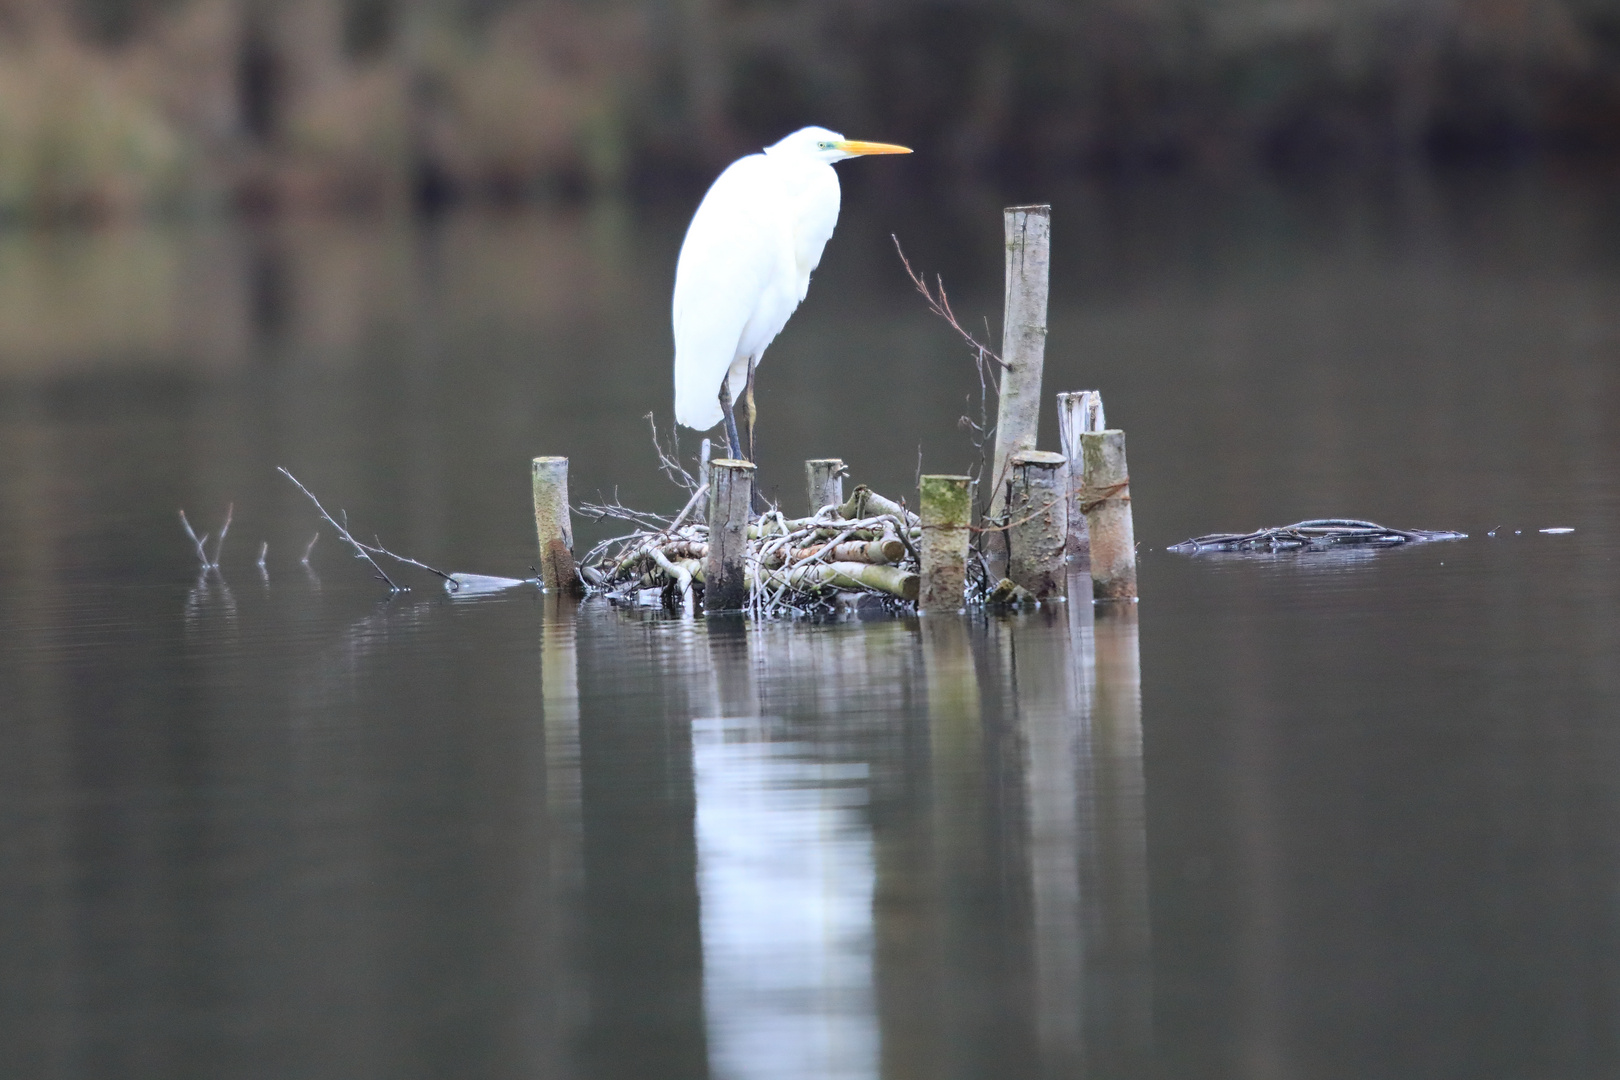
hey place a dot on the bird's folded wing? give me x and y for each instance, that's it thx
(731, 256)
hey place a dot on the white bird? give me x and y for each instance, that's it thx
(745, 266)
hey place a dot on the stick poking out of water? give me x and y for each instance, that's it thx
(343, 533)
(201, 542)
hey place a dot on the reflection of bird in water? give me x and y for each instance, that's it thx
(745, 265)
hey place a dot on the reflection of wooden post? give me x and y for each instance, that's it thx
(731, 490)
(1038, 512)
(553, 526)
(824, 482)
(946, 505)
(1078, 413)
(1105, 493)
(563, 861)
(1049, 730)
(1114, 854)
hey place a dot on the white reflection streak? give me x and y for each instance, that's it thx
(1053, 702)
(785, 869)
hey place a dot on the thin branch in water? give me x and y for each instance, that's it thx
(309, 547)
(230, 509)
(378, 549)
(343, 533)
(202, 552)
(941, 305)
(264, 549)
(670, 461)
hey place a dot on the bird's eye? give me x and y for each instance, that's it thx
(824, 146)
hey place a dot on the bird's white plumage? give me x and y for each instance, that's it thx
(746, 263)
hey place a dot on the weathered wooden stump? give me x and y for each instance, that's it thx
(1038, 516)
(946, 505)
(824, 482)
(1105, 497)
(1078, 412)
(1027, 231)
(554, 528)
(731, 493)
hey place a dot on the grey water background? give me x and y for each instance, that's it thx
(1324, 816)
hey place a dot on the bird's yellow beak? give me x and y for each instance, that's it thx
(856, 146)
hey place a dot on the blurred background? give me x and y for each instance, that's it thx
(115, 107)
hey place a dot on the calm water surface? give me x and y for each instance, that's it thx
(1341, 816)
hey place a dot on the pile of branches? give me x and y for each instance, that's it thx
(1319, 534)
(861, 554)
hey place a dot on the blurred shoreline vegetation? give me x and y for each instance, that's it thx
(110, 108)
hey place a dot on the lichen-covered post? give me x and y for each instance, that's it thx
(1038, 516)
(1078, 413)
(1028, 234)
(553, 526)
(946, 508)
(824, 482)
(1105, 497)
(725, 576)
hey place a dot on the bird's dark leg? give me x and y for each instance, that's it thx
(748, 399)
(731, 421)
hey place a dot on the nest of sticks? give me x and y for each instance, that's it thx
(861, 554)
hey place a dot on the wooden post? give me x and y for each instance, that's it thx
(946, 503)
(1078, 412)
(554, 527)
(1105, 497)
(1028, 235)
(731, 493)
(824, 482)
(1038, 509)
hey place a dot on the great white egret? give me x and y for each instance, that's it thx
(745, 266)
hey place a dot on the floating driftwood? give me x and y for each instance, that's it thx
(1319, 534)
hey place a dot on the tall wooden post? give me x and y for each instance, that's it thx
(1078, 413)
(946, 505)
(725, 575)
(1038, 512)
(1105, 494)
(824, 482)
(553, 527)
(1028, 235)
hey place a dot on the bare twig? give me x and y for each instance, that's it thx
(377, 549)
(670, 461)
(202, 552)
(264, 550)
(309, 548)
(230, 509)
(941, 305)
(343, 532)
(691, 505)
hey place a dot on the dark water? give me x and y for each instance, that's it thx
(1338, 816)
